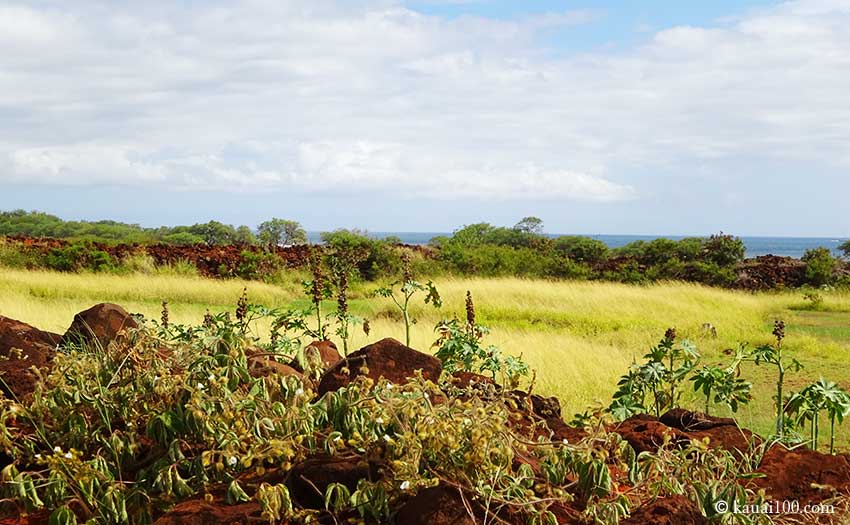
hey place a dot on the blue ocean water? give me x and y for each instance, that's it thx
(787, 246)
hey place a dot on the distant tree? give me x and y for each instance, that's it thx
(530, 225)
(214, 232)
(244, 235)
(276, 232)
(582, 249)
(845, 248)
(183, 237)
(723, 250)
(820, 266)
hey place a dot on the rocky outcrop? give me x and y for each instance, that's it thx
(22, 348)
(100, 325)
(387, 358)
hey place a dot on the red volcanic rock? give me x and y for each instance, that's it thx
(327, 351)
(261, 364)
(440, 505)
(646, 433)
(198, 511)
(309, 479)
(24, 347)
(722, 432)
(803, 475)
(33, 518)
(387, 358)
(672, 510)
(100, 324)
(15, 334)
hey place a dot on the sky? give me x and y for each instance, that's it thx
(652, 117)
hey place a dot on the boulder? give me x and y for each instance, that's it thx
(646, 433)
(672, 510)
(440, 505)
(327, 351)
(100, 324)
(16, 334)
(23, 348)
(722, 432)
(198, 511)
(262, 364)
(386, 358)
(309, 479)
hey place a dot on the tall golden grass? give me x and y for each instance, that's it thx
(578, 336)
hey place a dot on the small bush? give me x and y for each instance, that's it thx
(12, 256)
(138, 263)
(79, 256)
(582, 249)
(820, 266)
(723, 250)
(258, 265)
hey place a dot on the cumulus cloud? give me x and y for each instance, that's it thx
(330, 96)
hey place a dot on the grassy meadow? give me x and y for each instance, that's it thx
(578, 336)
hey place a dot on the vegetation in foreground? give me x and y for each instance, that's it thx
(579, 337)
(119, 433)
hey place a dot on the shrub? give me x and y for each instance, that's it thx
(375, 257)
(79, 256)
(182, 238)
(723, 250)
(276, 232)
(138, 263)
(258, 265)
(820, 266)
(582, 249)
(12, 256)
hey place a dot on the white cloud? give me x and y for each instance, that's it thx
(347, 96)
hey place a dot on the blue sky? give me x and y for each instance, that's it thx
(648, 117)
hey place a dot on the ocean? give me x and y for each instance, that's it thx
(786, 246)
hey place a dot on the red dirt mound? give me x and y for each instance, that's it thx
(673, 510)
(387, 358)
(646, 433)
(101, 323)
(803, 475)
(24, 347)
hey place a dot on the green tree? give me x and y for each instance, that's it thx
(244, 235)
(530, 225)
(582, 249)
(820, 266)
(277, 232)
(845, 248)
(723, 250)
(214, 232)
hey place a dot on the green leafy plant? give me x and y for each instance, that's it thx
(724, 382)
(655, 383)
(460, 347)
(401, 292)
(772, 355)
(808, 403)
